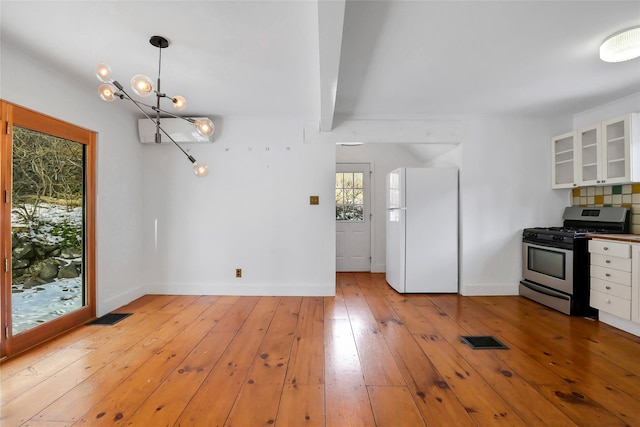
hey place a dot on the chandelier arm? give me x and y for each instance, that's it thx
(154, 108)
(160, 110)
(157, 123)
(189, 156)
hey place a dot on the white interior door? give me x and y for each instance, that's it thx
(353, 217)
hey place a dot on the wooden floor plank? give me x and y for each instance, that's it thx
(483, 403)
(368, 356)
(306, 365)
(569, 397)
(377, 362)
(258, 400)
(115, 359)
(162, 408)
(521, 396)
(393, 406)
(25, 406)
(301, 405)
(436, 401)
(229, 374)
(18, 384)
(345, 389)
(152, 355)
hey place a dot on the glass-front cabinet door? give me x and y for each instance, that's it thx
(563, 161)
(616, 150)
(589, 146)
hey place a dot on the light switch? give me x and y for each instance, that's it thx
(314, 200)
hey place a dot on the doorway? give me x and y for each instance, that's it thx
(48, 222)
(353, 217)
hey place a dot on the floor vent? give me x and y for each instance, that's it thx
(481, 342)
(109, 319)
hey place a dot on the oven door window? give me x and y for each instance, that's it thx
(547, 262)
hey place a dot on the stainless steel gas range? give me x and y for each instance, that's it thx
(555, 260)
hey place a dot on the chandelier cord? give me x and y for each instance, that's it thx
(158, 137)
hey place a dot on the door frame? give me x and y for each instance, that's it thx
(15, 115)
(372, 215)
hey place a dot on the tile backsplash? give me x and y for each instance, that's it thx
(627, 196)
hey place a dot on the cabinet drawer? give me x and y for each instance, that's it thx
(607, 247)
(610, 288)
(614, 305)
(611, 275)
(623, 264)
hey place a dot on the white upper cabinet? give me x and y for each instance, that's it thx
(605, 153)
(620, 144)
(590, 147)
(563, 160)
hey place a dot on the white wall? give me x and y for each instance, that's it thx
(628, 104)
(251, 211)
(505, 186)
(119, 207)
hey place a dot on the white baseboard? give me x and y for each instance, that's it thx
(109, 304)
(616, 322)
(325, 290)
(378, 268)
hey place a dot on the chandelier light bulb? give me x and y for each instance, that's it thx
(142, 85)
(103, 72)
(200, 169)
(621, 46)
(179, 102)
(107, 92)
(205, 127)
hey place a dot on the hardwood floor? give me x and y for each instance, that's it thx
(368, 357)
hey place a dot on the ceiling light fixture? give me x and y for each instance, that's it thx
(621, 46)
(142, 86)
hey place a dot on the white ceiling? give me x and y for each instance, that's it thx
(396, 59)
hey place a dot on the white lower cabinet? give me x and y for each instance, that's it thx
(615, 282)
(611, 277)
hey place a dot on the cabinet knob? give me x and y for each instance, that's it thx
(607, 274)
(607, 287)
(605, 248)
(608, 261)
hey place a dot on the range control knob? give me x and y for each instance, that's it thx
(532, 234)
(558, 238)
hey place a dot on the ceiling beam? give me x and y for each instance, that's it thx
(330, 25)
(452, 131)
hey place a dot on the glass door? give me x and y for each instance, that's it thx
(48, 282)
(47, 228)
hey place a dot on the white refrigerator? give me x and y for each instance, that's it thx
(422, 230)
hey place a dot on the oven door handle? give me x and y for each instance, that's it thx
(562, 246)
(544, 290)
(555, 247)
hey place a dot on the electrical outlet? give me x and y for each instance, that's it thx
(238, 272)
(314, 200)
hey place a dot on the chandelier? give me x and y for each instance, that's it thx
(142, 86)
